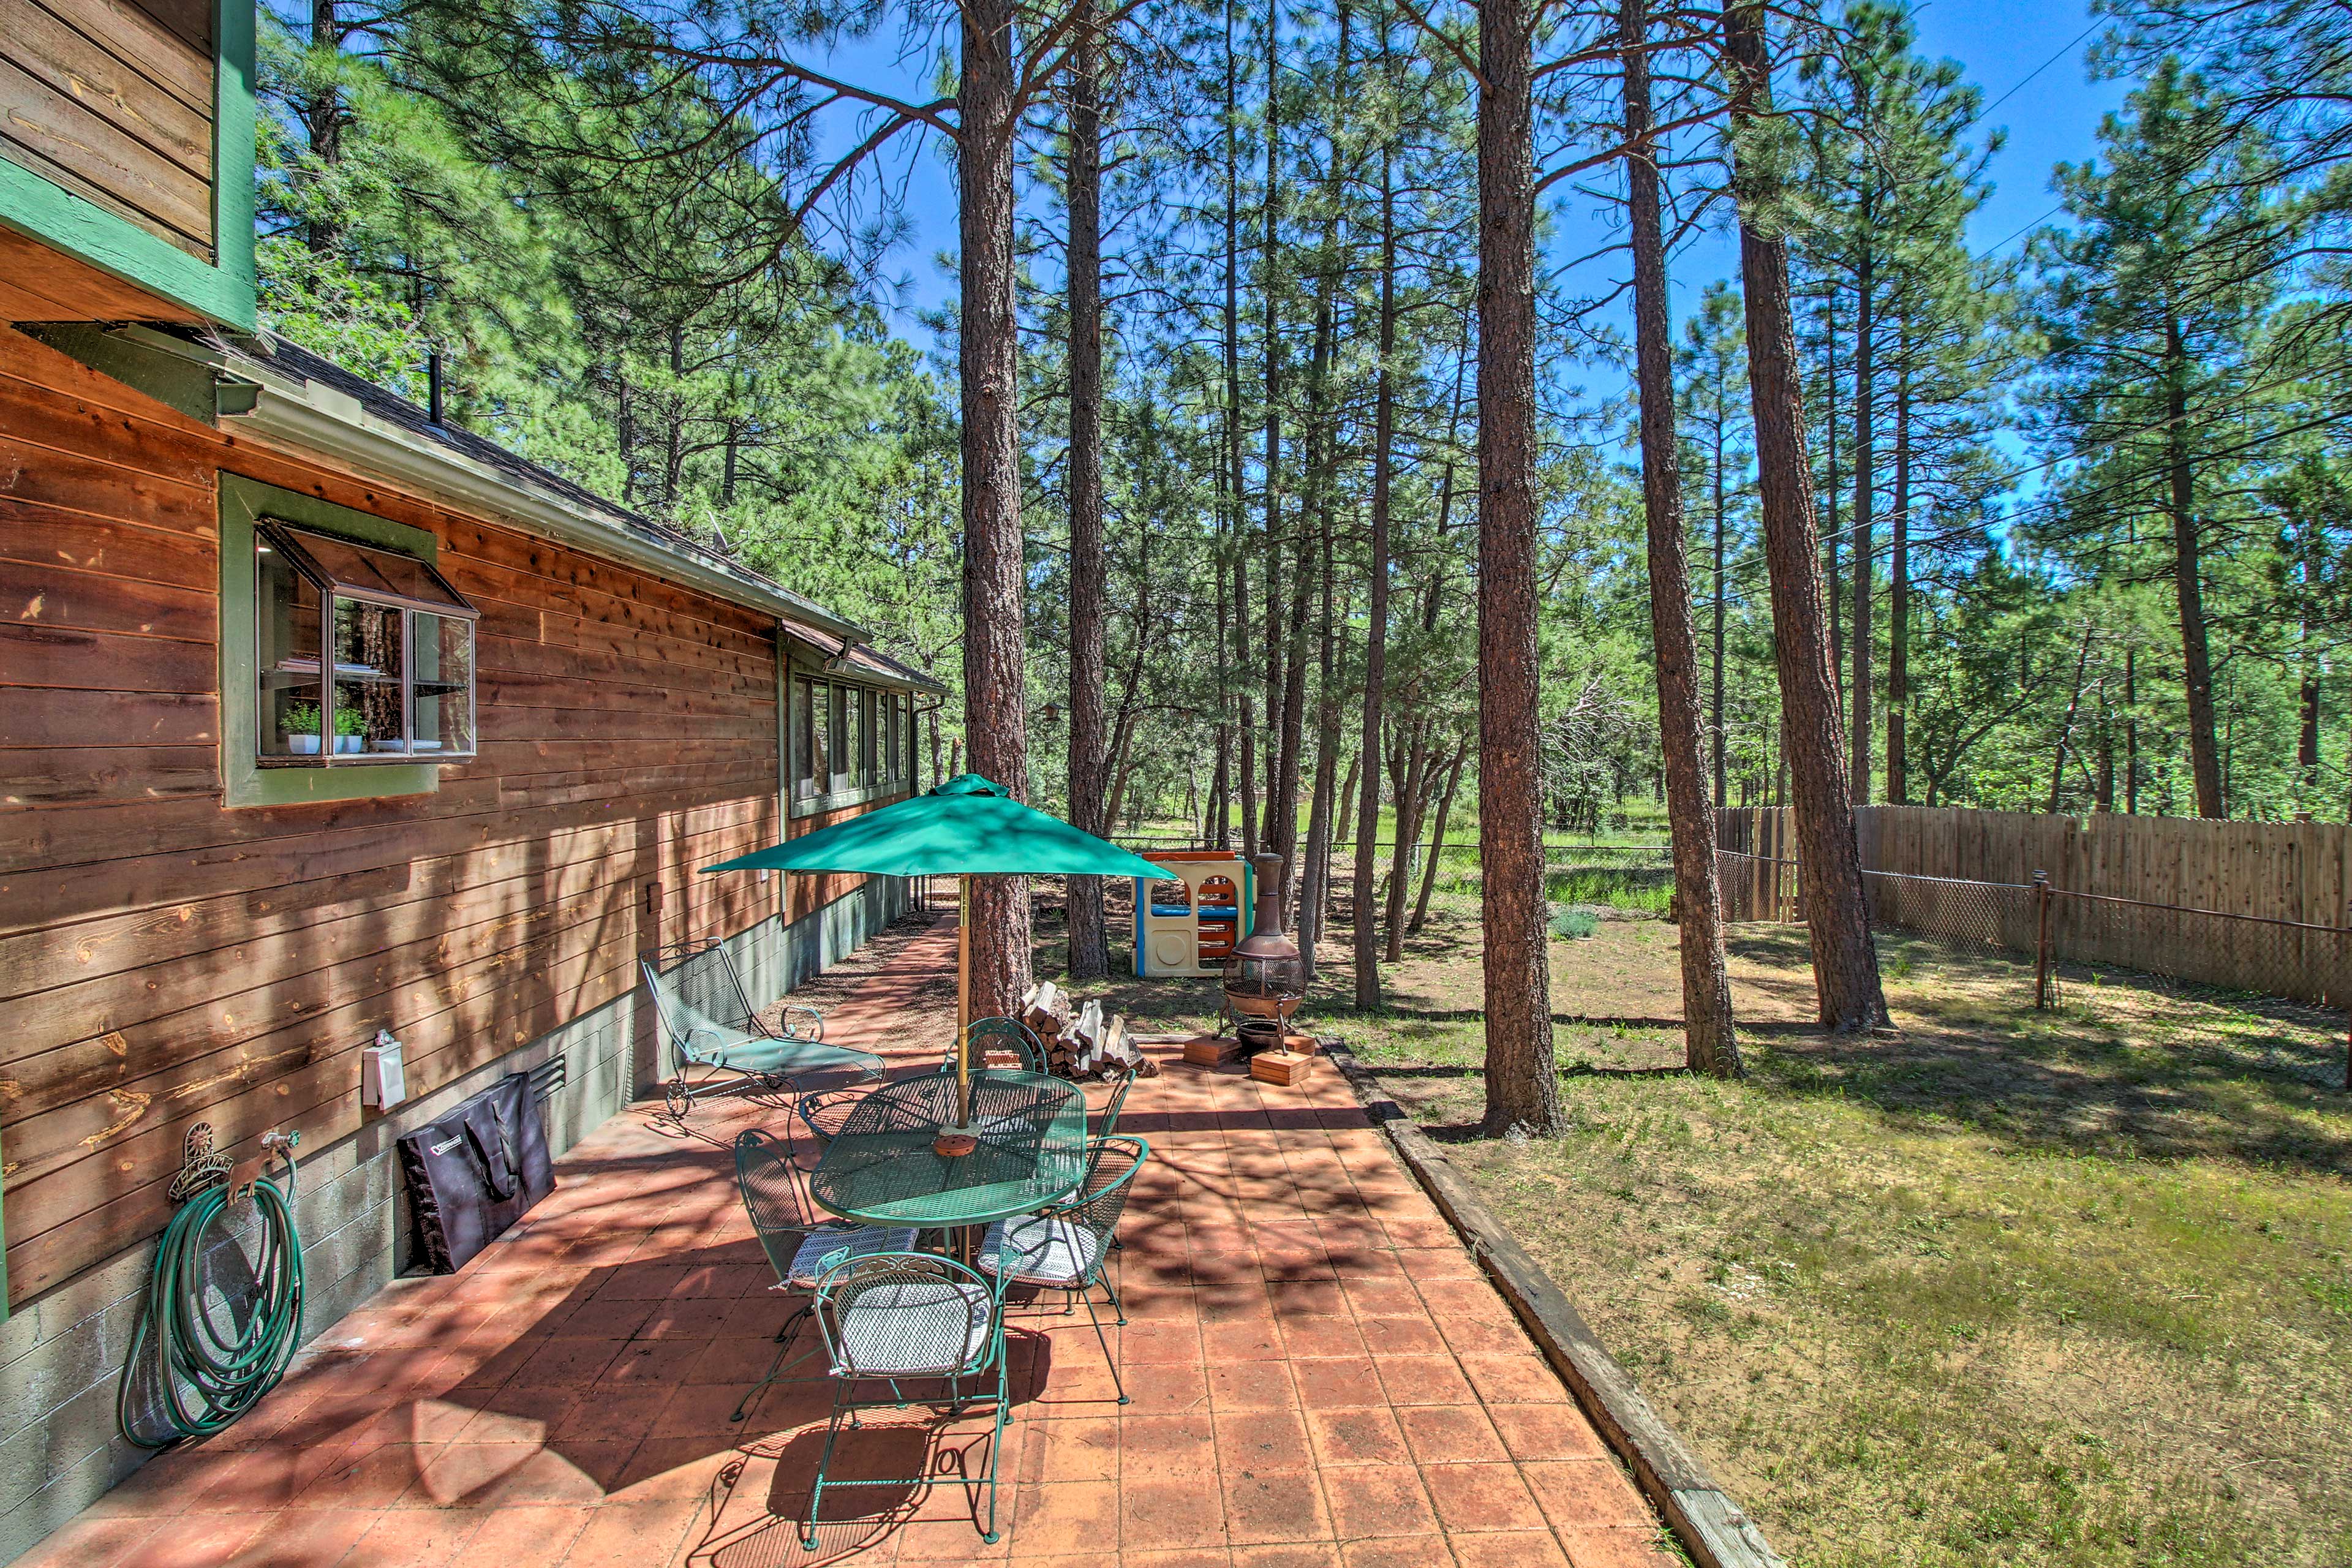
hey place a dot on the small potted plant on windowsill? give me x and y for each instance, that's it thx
(301, 726)
(351, 731)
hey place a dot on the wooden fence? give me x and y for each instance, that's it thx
(2257, 906)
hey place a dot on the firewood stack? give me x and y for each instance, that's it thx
(1084, 1046)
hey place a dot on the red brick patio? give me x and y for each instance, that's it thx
(1319, 1376)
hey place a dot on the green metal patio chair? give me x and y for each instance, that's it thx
(1108, 1123)
(908, 1317)
(801, 1247)
(712, 1028)
(1011, 1035)
(1066, 1247)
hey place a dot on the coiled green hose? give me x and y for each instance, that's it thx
(206, 1378)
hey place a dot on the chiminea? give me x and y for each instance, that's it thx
(1265, 978)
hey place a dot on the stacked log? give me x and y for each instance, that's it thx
(1085, 1045)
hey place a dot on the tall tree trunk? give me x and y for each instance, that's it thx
(1315, 883)
(1340, 832)
(1835, 544)
(1376, 619)
(1272, 837)
(995, 707)
(1089, 568)
(2196, 661)
(1409, 786)
(1245, 760)
(1898, 590)
(1291, 760)
(2131, 731)
(1866, 463)
(1722, 740)
(1709, 1042)
(1437, 837)
(322, 126)
(1522, 1079)
(1845, 964)
(2066, 727)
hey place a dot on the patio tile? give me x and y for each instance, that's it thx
(418, 1540)
(1546, 1432)
(1251, 1385)
(1365, 1436)
(1379, 1500)
(1400, 1336)
(1308, 1335)
(293, 1540)
(1481, 1497)
(1506, 1548)
(1163, 1514)
(1451, 1435)
(1183, 1557)
(1424, 1380)
(91, 1541)
(1084, 1449)
(1261, 1440)
(1165, 1447)
(1066, 1518)
(1149, 1342)
(1635, 1547)
(1263, 1507)
(632, 1536)
(1514, 1379)
(1396, 1551)
(1301, 1554)
(1337, 1382)
(1579, 1493)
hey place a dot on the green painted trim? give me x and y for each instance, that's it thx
(222, 288)
(244, 782)
(234, 93)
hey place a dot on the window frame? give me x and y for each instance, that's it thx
(242, 503)
(287, 536)
(862, 764)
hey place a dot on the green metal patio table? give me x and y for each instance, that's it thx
(881, 1168)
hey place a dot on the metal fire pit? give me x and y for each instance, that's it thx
(1265, 978)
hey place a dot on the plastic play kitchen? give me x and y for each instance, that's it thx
(1189, 923)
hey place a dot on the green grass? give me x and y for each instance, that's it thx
(2062, 1289)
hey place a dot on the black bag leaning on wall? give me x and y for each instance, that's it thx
(474, 1172)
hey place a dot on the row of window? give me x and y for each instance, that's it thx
(848, 738)
(367, 655)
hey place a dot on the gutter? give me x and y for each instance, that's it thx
(316, 417)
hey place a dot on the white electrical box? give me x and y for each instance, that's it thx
(383, 1082)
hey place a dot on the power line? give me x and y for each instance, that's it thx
(2044, 65)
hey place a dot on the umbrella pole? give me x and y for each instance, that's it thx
(964, 996)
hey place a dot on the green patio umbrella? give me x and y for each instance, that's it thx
(966, 828)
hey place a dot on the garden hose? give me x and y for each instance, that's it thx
(214, 1360)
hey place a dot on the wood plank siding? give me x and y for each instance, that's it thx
(115, 102)
(164, 959)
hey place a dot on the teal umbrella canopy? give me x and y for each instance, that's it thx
(968, 826)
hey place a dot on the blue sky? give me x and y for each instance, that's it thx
(2050, 117)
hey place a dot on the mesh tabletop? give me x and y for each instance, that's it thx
(880, 1166)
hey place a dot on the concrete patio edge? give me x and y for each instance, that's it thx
(1704, 1519)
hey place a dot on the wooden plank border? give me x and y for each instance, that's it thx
(1710, 1525)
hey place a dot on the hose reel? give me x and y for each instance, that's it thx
(223, 1314)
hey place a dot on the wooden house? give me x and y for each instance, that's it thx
(320, 718)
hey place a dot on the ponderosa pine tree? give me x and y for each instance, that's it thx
(1845, 962)
(1709, 1042)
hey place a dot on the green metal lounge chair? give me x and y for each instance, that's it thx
(1068, 1246)
(908, 1317)
(713, 1030)
(800, 1245)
